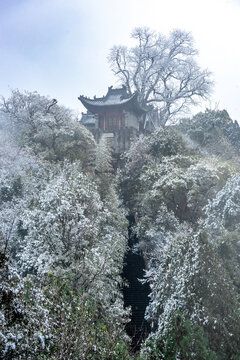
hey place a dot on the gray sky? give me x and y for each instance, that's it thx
(59, 47)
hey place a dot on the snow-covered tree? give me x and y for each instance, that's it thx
(70, 230)
(22, 174)
(50, 130)
(163, 71)
(212, 133)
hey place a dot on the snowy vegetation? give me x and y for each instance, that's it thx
(186, 202)
(63, 236)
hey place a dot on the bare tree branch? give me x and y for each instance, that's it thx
(163, 71)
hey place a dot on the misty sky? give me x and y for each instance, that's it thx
(59, 47)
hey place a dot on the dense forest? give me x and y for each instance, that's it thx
(64, 236)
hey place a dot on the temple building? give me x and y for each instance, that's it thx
(118, 116)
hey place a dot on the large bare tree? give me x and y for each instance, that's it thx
(163, 71)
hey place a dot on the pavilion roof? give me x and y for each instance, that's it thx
(115, 98)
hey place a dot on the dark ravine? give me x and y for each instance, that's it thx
(136, 294)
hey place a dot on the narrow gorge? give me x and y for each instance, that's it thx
(135, 293)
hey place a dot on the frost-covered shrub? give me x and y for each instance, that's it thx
(104, 168)
(70, 230)
(62, 224)
(214, 132)
(181, 341)
(147, 150)
(80, 327)
(133, 160)
(165, 142)
(189, 278)
(182, 184)
(57, 321)
(224, 210)
(22, 175)
(222, 224)
(24, 327)
(155, 232)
